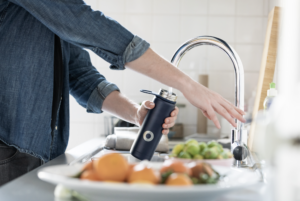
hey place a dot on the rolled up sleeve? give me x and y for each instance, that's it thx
(136, 48)
(98, 96)
(86, 84)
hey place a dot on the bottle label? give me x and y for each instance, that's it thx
(148, 136)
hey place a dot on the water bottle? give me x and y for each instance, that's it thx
(150, 132)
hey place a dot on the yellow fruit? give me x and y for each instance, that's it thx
(142, 182)
(88, 166)
(89, 175)
(175, 166)
(111, 167)
(141, 173)
(176, 179)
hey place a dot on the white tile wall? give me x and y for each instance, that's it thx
(250, 30)
(166, 28)
(140, 25)
(251, 56)
(250, 7)
(112, 6)
(222, 27)
(222, 7)
(217, 60)
(187, 31)
(139, 6)
(168, 23)
(194, 7)
(166, 6)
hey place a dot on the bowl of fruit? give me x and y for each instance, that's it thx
(112, 177)
(211, 152)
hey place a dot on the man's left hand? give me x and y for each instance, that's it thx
(148, 105)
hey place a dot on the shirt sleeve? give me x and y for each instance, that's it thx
(75, 22)
(86, 84)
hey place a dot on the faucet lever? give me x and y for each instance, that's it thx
(240, 153)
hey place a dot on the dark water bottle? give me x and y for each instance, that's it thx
(150, 132)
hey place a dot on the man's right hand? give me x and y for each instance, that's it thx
(210, 103)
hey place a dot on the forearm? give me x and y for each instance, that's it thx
(156, 67)
(120, 106)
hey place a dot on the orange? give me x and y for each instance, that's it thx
(197, 169)
(143, 174)
(175, 166)
(142, 182)
(111, 167)
(89, 175)
(88, 166)
(176, 179)
(130, 169)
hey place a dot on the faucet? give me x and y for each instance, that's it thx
(239, 136)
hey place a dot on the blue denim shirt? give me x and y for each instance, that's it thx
(27, 29)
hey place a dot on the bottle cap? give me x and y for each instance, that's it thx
(272, 85)
(165, 94)
(272, 91)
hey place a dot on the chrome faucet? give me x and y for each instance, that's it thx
(239, 146)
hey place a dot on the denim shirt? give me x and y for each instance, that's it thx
(27, 29)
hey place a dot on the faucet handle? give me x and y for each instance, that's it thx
(240, 153)
(239, 147)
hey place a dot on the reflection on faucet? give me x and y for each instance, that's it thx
(239, 136)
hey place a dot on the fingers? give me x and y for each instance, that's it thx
(170, 121)
(175, 112)
(236, 108)
(148, 105)
(234, 111)
(213, 117)
(224, 113)
(240, 111)
(206, 115)
(165, 131)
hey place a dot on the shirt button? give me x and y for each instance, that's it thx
(55, 127)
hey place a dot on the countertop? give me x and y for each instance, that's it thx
(30, 187)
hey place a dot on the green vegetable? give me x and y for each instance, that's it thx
(184, 154)
(212, 180)
(203, 151)
(63, 193)
(165, 175)
(220, 148)
(202, 146)
(212, 143)
(195, 180)
(177, 149)
(172, 155)
(203, 178)
(197, 156)
(211, 153)
(226, 154)
(191, 141)
(192, 149)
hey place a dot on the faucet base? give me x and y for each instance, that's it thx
(239, 149)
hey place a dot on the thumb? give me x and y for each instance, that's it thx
(148, 105)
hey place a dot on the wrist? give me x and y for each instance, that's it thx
(135, 116)
(185, 84)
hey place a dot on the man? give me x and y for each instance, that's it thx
(42, 60)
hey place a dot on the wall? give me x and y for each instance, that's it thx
(166, 24)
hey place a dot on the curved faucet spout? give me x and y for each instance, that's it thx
(237, 64)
